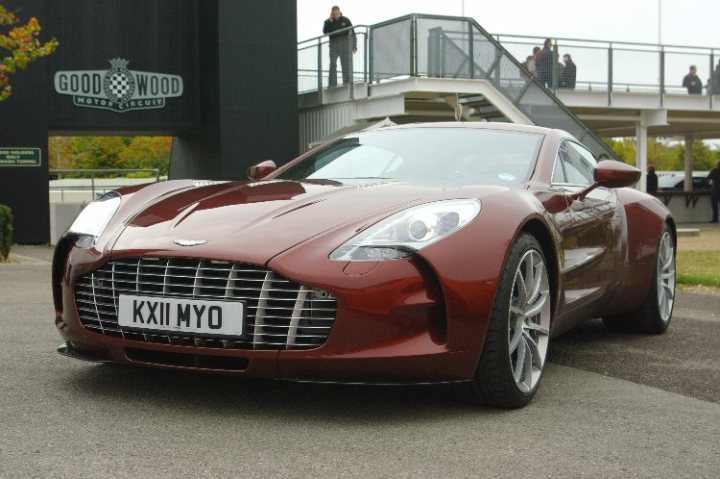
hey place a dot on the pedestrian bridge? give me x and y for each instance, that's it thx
(433, 68)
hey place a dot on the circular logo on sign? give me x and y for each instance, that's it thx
(119, 82)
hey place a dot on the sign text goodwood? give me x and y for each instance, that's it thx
(118, 89)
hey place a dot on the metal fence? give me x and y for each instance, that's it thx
(337, 60)
(629, 67)
(438, 47)
(99, 181)
(414, 46)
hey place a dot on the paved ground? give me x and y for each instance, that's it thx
(610, 406)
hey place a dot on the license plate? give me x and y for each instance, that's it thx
(224, 318)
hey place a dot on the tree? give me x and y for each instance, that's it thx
(624, 148)
(147, 152)
(110, 152)
(666, 155)
(96, 152)
(704, 157)
(23, 45)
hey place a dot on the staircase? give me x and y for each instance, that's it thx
(424, 68)
(459, 48)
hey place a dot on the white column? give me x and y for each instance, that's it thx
(688, 162)
(641, 153)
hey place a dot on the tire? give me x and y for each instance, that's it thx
(655, 313)
(513, 357)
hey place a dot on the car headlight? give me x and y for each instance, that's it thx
(403, 233)
(92, 221)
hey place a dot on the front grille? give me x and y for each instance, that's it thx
(280, 314)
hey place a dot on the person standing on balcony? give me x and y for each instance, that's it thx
(339, 45)
(715, 80)
(544, 64)
(714, 176)
(530, 62)
(569, 73)
(692, 82)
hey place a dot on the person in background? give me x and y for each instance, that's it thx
(569, 73)
(714, 83)
(651, 181)
(339, 46)
(530, 61)
(692, 82)
(714, 176)
(544, 63)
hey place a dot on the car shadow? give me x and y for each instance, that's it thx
(230, 396)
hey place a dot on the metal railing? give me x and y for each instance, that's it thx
(439, 47)
(607, 66)
(97, 174)
(629, 67)
(316, 56)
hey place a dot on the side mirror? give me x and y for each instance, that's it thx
(614, 174)
(261, 170)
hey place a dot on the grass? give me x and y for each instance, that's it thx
(699, 267)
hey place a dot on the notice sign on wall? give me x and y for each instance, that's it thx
(13, 156)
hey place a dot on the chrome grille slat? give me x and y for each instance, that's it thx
(280, 314)
(92, 281)
(223, 288)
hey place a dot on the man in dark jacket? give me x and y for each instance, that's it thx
(692, 82)
(714, 176)
(715, 80)
(569, 73)
(651, 184)
(339, 46)
(544, 64)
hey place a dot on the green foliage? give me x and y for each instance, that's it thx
(666, 156)
(23, 46)
(699, 267)
(6, 232)
(147, 152)
(704, 158)
(624, 148)
(698, 279)
(111, 152)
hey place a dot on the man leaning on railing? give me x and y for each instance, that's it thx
(339, 45)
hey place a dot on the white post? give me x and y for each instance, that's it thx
(641, 153)
(659, 22)
(687, 186)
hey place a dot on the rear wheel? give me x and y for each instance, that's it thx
(513, 358)
(654, 315)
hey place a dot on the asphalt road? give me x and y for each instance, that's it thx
(610, 405)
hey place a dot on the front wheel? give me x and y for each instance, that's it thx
(654, 315)
(516, 344)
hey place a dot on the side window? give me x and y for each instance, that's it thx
(559, 170)
(575, 165)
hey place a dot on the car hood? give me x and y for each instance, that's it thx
(256, 221)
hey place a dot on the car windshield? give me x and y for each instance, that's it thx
(464, 155)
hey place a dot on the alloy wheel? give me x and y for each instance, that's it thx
(529, 321)
(666, 276)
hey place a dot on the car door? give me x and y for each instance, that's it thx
(591, 243)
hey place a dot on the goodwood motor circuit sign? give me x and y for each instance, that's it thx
(118, 89)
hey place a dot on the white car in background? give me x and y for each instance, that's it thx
(674, 181)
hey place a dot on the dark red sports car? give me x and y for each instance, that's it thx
(413, 254)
